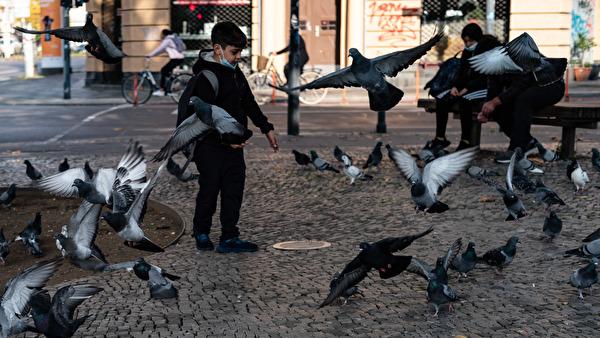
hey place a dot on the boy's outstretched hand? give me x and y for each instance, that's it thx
(272, 140)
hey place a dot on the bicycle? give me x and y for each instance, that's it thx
(146, 84)
(267, 73)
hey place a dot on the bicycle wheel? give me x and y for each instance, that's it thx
(311, 96)
(144, 89)
(178, 85)
(258, 83)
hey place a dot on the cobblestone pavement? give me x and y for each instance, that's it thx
(273, 293)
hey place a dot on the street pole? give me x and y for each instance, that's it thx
(294, 75)
(67, 58)
(491, 16)
(28, 52)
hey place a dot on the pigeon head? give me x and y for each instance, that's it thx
(432, 277)
(27, 162)
(388, 146)
(552, 214)
(513, 241)
(595, 152)
(471, 246)
(353, 52)
(439, 262)
(89, 16)
(202, 110)
(313, 154)
(346, 160)
(363, 245)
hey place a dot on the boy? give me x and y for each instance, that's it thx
(221, 166)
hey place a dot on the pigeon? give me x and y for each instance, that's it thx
(477, 172)
(207, 118)
(64, 230)
(8, 196)
(502, 256)
(429, 153)
(436, 176)
(390, 151)
(552, 226)
(54, 318)
(546, 195)
(585, 277)
(523, 183)
(4, 248)
(30, 236)
(301, 158)
(37, 222)
(441, 265)
(337, 152)
(519, 56)
(369, 74)
(439, 293)
(351, 291)
(78, 243)
(374, 157)
(590, 250)
(98, 44)
(465, 262)
(320, 163)
(183, 176)
(126, 221)
(16, 295)
(373, 256)
(32, 172)
(577, 175)
(64, 166)
(596, 159)
(129, 177)
(353, 172)
(593, 236)
(548, 156)
(88, 170)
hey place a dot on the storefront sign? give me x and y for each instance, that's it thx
(50, 12)
(211, 2)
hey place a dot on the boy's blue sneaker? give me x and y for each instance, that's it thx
(236, 245)
(203, 243)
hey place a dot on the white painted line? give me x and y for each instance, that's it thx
(174, 112)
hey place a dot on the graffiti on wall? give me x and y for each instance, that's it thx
(582, 21)
(398, 22)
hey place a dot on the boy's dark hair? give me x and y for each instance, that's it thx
(166, 32)
(473, 31)
(227, 33)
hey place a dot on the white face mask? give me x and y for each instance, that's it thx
(224, 61)
(472, 47)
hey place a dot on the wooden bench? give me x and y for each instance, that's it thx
(569, 116)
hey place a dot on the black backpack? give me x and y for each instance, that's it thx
(445, 77)
(183, 109)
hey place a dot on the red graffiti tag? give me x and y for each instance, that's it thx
(396, 19)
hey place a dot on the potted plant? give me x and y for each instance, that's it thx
(581, 46)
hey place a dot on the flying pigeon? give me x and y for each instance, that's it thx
(477, 172)
(207, 118)
(320, 163)
(98, 44)
(548, 156)
(4, 248)
(130, 176)
(590, 250)
(63, 166)
(30, 236)
(465, 262)
(502, 256)
(552, 226)
(351, 291)
(593, 236)
(175, 170)
(585, 277)
(523, 183)
(31, 171)
(16, 295)
(436, 176)
(8, 196)
(126, 221)
(596, 159)
(441, 265)
(353, 172)
(88, 170)
(337, 152)
(54, 318)
(546, 195)
(519, 56)
(577, 175)
(373, 256)
(369, 74)
(301, 158)
(439, 293)
(374, 157)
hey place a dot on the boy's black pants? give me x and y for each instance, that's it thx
(222, 169)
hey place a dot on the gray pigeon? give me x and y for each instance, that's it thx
(439, 293)
(301, 158)
(478, 173)
(590, 250)
(369, 74)
(552, 226)
(4, 248)
(441, 265)
(54, 318)
(207, 118)
(436, 176)
(31, 171)
(88, 170)
(548, 156)
(351, 291)
(8, 196)
(353, 172)
(465, 262)
(374, 157)
(577, 175)
(523, 183)
(175, 170)
(502, 256)
(390, 150)
(98, 44)
(585, 277)
(64, 166)
(337, 153)
(546, 195)
(320, 164)
(16, 295)
(596, 159)
(30, 236)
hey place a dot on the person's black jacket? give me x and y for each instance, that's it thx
(508, 86)
(469, 78)
(301, 48)
(234, 94)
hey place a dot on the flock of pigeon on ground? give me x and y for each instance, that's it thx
(125, 190)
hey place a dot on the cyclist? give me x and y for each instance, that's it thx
(303, 56)
(169, 46)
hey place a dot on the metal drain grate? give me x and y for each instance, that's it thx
(301, 245)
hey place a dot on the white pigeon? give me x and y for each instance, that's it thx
(577, 175)
(353, 172)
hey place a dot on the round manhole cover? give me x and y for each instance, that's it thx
(301, 245)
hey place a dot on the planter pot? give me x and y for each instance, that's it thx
(582, 73)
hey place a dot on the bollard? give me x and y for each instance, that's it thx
(344, 96)
(135, 91)
(417, 86)
(381, 126)
(567, 86)
(273, 92)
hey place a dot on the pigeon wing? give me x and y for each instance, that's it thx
(345, 281)
(76, 34)
(337, 79)
(394, 244)
(419, 267)
(109, 47)
(189, 130)
(61, 184)
(66, 300)
(494, 62)
(87, 227)
(407, 165)
(443, 170)
(524, 52)
(452, 252)
(137, 210)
